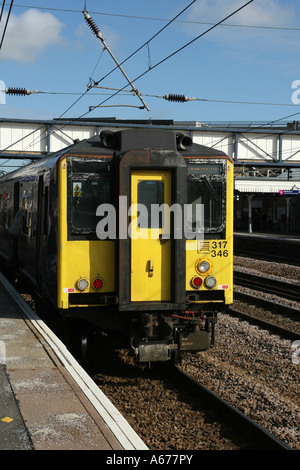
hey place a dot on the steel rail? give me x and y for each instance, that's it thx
(289, 334)
(265, 438)
(248, 253)
(288, 290)
(275, 307)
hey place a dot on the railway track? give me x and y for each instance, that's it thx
(259, 284)
(265, 247)
(285, 289)
(129, 406)
(273, 327)
(267, 257)
(258, 433)
(275, 308)
(269, 304)
(171, 410)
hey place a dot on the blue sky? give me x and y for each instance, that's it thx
(253, 58)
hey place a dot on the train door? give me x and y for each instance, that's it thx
(151, 245)
(16, 222)
(39, 230)
(151, 260)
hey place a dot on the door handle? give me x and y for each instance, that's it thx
(163, 238)
(150, 267)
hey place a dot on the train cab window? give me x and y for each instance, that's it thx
(206, 186)
(89, 185)
(87, 194)
(150, 192)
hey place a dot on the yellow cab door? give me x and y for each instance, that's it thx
(150, 251)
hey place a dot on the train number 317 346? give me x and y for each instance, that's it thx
(218, 249)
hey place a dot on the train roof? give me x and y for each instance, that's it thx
(34, 168)
(118, 142)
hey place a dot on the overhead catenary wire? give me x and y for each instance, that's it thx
(150, 18)
(97, 32)
(148, 41)
(179, 98)
(99, 35)
(3, 4)
(183, 47)
(189, 43)
(263, 125)
(94, 69)
(166, 58)
(157, 64)
(7, 20)
(85, 92)
(131, 55)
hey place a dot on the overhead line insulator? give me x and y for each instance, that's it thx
(97, 32)
(19, 91)
(177, 98)
(91, 23)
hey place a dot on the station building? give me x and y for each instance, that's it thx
(266, 158)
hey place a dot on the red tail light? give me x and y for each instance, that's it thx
(196, 282)
(97, 283)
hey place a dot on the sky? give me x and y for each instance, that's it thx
(246, 69)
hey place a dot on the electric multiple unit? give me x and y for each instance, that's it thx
(129, 231)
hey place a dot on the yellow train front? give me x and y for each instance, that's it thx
(123, 264)
(131, 231)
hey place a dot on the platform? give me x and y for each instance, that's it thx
(47, 401)
(279, 246)
(272, 236)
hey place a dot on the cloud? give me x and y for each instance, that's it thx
(29, 34)
(265, 13)
(84, 34)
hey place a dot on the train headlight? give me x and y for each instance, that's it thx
(203, 266)
(82, 283)
(97, 283)
(196, 282)
(210, 282)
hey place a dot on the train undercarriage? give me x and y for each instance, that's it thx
(151, 336)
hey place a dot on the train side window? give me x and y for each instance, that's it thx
(5, 203)
(150, 192)
(46, 211)
(27, 200)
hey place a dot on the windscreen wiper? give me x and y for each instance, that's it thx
(88, 181)
(215, 195)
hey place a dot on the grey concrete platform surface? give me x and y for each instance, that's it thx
(47, 401)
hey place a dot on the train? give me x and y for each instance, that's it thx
(129, 232)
